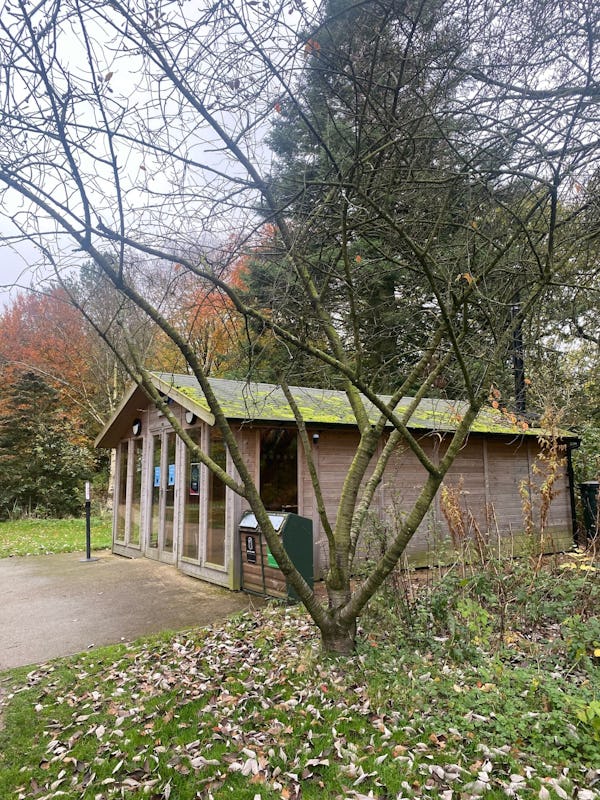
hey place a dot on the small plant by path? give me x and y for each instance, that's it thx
(26, 537)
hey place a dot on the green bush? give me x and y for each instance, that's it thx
(491, 605)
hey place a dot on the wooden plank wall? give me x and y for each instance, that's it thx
(403, 481)
(259, 577)
(558, 533)
(485, 476)
(333, 456)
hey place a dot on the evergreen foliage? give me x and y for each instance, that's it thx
(359, 145)
(42, 471)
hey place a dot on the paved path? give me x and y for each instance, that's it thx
(57, 605)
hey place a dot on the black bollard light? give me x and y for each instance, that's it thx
(88, 526)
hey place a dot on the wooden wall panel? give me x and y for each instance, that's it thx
(487, 472)
(511, 464)
(307, 503)
(508, 466)
(468, 491)
(558, 534)
(334, 454)
(402, 483)
(333, 457)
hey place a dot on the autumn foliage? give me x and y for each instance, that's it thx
(44, 334)
(206, 318)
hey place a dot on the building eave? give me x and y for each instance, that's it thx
(135, 403)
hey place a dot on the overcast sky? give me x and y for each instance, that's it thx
(17, 264)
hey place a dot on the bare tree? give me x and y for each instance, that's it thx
(449, 148)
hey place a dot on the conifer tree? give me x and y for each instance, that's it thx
(42, 472)
(362, 108)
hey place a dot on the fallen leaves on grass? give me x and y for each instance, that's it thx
(251, 709)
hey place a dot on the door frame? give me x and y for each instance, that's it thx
(159, 552)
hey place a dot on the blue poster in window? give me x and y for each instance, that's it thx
(171, 474)
(157, 477)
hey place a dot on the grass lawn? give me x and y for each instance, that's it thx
(439, 702)
(26, 537)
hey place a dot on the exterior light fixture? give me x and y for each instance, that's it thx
(190, 417)
(136, 428)
(315, 438)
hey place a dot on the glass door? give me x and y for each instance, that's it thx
(192, 494)
(136, 492)
(216, 495)
(128, 493)
(163, 496)
(169, 510)
(156, 491)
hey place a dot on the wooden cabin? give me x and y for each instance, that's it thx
(171, 508)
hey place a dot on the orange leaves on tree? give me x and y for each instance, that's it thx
(513, 419)
(495, 397)
(312, 46)
(206, 317)
(45, 334)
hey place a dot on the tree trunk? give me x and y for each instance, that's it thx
(339, 639)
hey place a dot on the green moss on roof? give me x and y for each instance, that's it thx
(261, 402)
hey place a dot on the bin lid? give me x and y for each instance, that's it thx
(249, 521)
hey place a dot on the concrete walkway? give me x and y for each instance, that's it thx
(57, 605)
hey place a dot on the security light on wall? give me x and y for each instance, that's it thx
(136, 428)
(167, 401)
(190, 417)
(315, 438)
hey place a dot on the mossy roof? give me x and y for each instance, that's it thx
(263, 402)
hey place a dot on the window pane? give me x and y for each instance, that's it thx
(191, 526)
(134, 533)
(122, 494)
(156, 480)
(279, 469)
(169, 494)
(215, 540)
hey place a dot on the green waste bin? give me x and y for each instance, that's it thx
(260, 571)
(589, 500)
